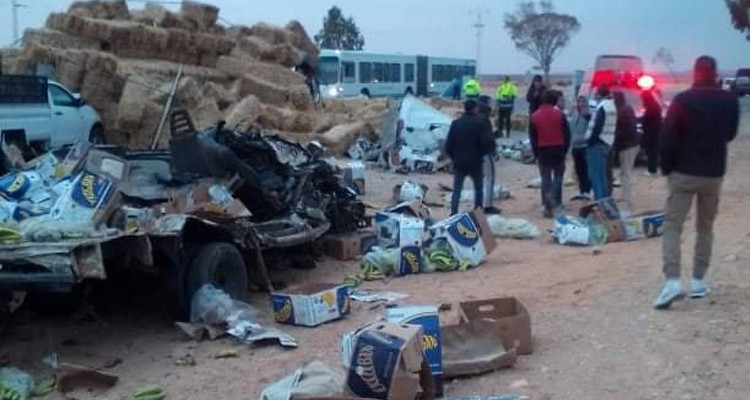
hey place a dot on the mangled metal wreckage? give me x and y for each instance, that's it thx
(207, 211)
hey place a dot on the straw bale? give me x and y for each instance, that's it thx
(299, 38)
(71, 67)
(300, 98)
(340, 138)
(267, 92)
(206, 113)
(152, 14)
(188, 94)
(269, 33)
(101, 9)
(245, 114)
(223, 97)
(203, 15)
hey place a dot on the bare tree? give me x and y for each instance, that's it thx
(664, 56)
(540, 32)
(740, 12)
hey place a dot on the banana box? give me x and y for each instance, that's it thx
(387, 363)
(426, 317)
(311, 304)
(410, 244)
(463, 237)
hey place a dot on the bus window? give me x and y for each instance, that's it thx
(409, 72)
(387, 73)
(396, 73)
(328, 70)
(365, 72)
(377, 72)
(437, 72)
(347, 72)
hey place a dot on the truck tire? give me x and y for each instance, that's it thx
(220, 264)
(97, 135)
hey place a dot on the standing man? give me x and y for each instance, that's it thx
(601, 136)
(534, 94)
(651, 123)
(550, 140)
(468, 140)
(579, 124)
(700, 123)
(506, 97)
(472, 88)
(488, 159)
(625, 147)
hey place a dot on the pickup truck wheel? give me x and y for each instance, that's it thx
(219, 264)
(97, 135)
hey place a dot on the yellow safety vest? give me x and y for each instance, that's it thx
(472, 87)
(506, 91)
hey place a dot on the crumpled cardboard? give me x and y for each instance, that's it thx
(606, 212)
(387, 363)
(508, 316)
(474, 348)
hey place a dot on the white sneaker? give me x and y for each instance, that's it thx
(671, 292)
(649, 175)
(698, 289)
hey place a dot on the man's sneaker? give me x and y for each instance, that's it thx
(547, 213)
(671, 292)
(698, 289)
(649, 175)
(581, 197)
(492, 210)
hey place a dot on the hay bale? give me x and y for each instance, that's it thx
(284, 54)
(244, 114)
(340, 138)
(304, 122)
(152, 14)
(250, 46)
(54, 38)
(203, 15)
(71, 68)
(188, 94)
(269, 33)
(206, 113)
(238, 66)
(172, 20)
(300, 98)
(102, 86)
(323, 123)
(223, 97)
(131, 107)
(271, 118)
(101, 9)
(267, 92)
(150, 119)
(299, 38)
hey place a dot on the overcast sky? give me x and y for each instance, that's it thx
(444, 27)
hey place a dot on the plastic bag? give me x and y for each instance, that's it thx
(381, 260)
(15, 384)
(212, 306)
(513, 228)
(411, 191)
(313, 380)
(571, 231)
(47, 229)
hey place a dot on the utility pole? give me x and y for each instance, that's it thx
(14, 8)
(479, 26)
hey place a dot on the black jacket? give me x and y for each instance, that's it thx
(651, 123)
(469, 138)
(534, 97)
(626, 129)
(700, 123)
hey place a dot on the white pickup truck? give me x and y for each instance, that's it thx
(39, 114)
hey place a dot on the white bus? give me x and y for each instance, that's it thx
(351, 73)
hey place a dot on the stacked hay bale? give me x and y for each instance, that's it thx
(124, 63)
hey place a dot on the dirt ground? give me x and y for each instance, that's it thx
(596, 335)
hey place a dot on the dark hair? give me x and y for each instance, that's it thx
(550, 97)
(537, 78)
(705, 69)
(469, 106)
(619, 98)
(603, 91)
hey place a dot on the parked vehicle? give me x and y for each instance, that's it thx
(351, 73)
(741, 84)
(38, 114)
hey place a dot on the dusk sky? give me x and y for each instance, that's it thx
(443, 27)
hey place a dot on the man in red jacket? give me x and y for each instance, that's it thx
(550, 140)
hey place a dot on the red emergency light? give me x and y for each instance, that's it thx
(646, 82)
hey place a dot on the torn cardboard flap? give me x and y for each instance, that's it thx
(508, 316)
(488, 239)
(474, 348)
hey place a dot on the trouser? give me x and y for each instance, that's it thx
(503, 120)
(652, 152)
(582, 170)
(552, 171)
(597, 156)
(458, 186)
(488, 180)
(627, 162)
(682, 189)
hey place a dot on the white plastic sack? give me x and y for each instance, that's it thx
(571, 231)
(411, 191)
(313, 380)
(512, 228)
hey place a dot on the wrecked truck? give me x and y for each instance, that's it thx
(209, 210)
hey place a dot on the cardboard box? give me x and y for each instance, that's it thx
(463, 237)
(646, 225)
(343, 247)
(485, 232)
(387, 363)
(510, 318)
(404, 232)
(311, 304)
(428, 318)
(606, 212)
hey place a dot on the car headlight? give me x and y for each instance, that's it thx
(432, 84)
(332, 91)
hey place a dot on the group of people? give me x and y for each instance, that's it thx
(690, 146)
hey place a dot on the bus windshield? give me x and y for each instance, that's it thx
(328, 70)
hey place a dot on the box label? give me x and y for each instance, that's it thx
(463, 231)
(426, 317)
(373, 364)
(282, 309)
(410, 261)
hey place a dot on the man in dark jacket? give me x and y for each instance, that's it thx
(625, 147)
(468, 141)
(651, 123)
(550, 140)
(488, 160)
(700, 124)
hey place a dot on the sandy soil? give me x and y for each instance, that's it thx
(596, 335)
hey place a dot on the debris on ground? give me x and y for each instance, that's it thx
(213, 307)
(313, 380)
(368, 296)
(512, 228)
(152, 392)
(71, 377)
(499, 192)
(15, 384)
(226, 353)
(410, 191)
(520, 151)
(311, 304)
(571, 231)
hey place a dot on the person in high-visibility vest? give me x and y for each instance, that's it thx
(472, 88)
(505, 97)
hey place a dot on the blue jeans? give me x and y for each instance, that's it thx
(458, 187)
(552, 171)
(598, 158)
